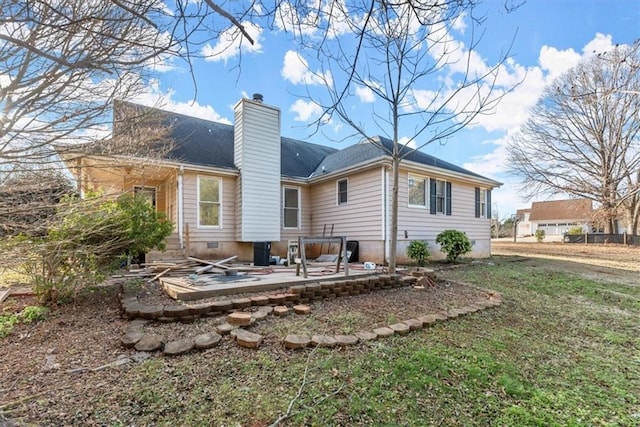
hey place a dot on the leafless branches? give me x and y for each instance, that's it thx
(62, 64)
(583, 137)
(393, 53)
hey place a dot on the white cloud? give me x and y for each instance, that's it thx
(514, 110)
(601, 43)
(555, 62)
(445, 49)
(519, 87)
(231, 42)
(287, 19)
(154, 97)
(365, 94)
(491, 163)
(305, 111)
(295, 69)
(504, 200)
(409, 143)
(459, 24)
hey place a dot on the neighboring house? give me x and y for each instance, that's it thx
(227, 187)
(524, 223)
(555, 217)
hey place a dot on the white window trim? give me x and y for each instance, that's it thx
(425, 181)
(210, 227)
(289, 187)
(338, 192)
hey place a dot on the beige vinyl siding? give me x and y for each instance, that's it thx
(358, 219)
(420, 224)
(227, 212)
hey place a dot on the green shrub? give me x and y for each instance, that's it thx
(88, 238)
(575, 230)
(7, 322)
(33, 313)
(454, 243)
(540, 235)
(418, 251)
(28, 314)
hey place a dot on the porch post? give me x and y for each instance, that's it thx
(180, 208)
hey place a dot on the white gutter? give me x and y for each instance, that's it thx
(446, 173)
(411, 167)
(180, 207)
(314, 179)
(161, 163)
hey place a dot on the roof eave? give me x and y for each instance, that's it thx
(452, 174)
(377, 161)
(159, 162)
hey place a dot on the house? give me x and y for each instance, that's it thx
(524, 223)
(555, 217)
(228, 188)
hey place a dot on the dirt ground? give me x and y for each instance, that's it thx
(38, 378)
(52, 369)
(616, 263)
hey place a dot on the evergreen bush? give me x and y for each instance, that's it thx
(418, 251)
(454, 243)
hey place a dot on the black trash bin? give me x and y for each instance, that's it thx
(353, 250)
(261, 253)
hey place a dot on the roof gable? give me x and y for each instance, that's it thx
(206, 143)
(367, 151)
(569, 209)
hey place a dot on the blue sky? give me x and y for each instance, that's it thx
(550, 37)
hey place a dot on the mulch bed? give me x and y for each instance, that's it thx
(86, 334)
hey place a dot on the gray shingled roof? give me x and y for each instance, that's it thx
(366, 151)
(299, 158)
(206, 143)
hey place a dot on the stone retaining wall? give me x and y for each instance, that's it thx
(275, 304)
(297, 294)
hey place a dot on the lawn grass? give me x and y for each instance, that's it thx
(561, 350)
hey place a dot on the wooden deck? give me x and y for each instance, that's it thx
(185, 288)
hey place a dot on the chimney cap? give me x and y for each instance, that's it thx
(258, 97)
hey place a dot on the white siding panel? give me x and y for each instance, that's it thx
(257, 155)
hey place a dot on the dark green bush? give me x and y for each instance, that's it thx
(418, 251)
(540, 235)
(454, 243)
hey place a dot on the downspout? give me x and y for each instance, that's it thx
(180, 208)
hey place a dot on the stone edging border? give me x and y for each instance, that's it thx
(298, 294)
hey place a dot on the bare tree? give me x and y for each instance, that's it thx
(394, 52)
(62, 63)
(583, 136)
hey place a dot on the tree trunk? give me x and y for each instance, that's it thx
(394, 215)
